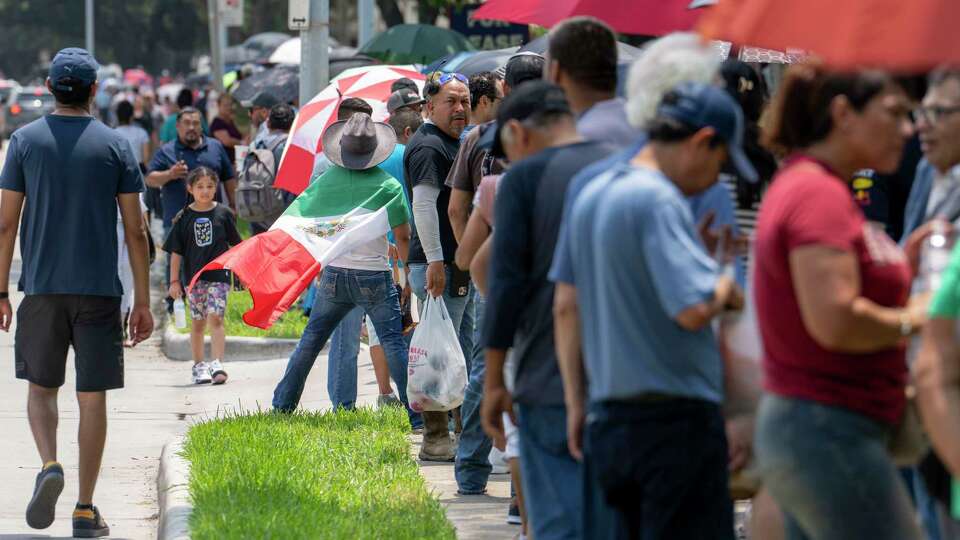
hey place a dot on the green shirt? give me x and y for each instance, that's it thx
(946, 302)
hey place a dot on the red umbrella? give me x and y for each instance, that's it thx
(370, 83)
(647, 17)
(907, 35)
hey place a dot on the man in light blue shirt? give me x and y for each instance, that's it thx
(629, 259)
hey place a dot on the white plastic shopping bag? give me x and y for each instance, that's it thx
(437, 369)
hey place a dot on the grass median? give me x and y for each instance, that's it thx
(290, 325)
(309, 475)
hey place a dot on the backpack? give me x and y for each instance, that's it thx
(257, 200)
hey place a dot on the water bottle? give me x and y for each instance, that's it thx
(935, 257)
(180, 313)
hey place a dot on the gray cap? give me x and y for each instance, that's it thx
(403, 98)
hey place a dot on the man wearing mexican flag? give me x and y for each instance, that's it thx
(338, 225)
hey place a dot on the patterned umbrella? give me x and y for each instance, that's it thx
(370, 83)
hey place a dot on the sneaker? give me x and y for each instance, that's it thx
(498, 462)
(217, 372)
(388, 400)
(513, 514)
(201, 373)
(88, 523)
(42, 507)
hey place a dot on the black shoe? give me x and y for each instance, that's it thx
(513, 515)
(42, 508)
(88, 523)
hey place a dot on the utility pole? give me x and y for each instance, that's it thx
(216, 53)
(364, 22)
(88, 25)
(314, 51)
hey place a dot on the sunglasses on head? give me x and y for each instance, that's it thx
(443, 78)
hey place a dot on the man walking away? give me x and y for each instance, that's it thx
(260, 109)
(67, 172)
(426, 164)
(538, 133)
(654, 447)
(582, 59)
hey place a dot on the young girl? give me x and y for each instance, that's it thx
(201, 232)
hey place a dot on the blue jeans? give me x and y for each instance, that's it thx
(342, 360)
(472, 467)
(552, 480)
(462, 317)
(341, 290)
(829, 471)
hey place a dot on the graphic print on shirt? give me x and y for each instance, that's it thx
(203, 231)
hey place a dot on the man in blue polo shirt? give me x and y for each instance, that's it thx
(191, 149)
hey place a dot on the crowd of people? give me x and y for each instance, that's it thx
(602, 261)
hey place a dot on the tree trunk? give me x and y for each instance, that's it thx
(427, 13)
(390, 12)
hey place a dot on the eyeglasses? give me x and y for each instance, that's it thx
(932, 115)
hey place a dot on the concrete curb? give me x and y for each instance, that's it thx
(173, 493)
(176, 346)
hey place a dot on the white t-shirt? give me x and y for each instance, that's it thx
(137, 137)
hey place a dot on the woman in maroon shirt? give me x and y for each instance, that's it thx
(224, 128)
(832, 302)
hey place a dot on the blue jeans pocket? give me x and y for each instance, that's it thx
(373, 287)
(328, 285)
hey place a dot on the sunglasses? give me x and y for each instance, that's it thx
(442, 78)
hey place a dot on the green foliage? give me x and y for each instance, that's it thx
(289, 326)
(344, 474)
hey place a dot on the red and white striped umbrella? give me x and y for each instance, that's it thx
(369, 83)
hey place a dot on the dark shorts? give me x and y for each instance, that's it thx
(48, 324)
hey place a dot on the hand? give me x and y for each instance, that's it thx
(739, 441)
(393, 253)
(175, 291)
(917, 309)
(436, 278)
(141, 323)
(179, 170)
(736, 300)
(496, 401)
(575, 420)
(6, 314)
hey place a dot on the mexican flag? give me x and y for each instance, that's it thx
(341, 210)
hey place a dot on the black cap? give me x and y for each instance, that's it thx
(403, 98)
(523, 67)
(404, 83)
(529, 100)
(265, 100)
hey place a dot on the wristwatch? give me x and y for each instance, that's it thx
(4, 295)
(906, 327)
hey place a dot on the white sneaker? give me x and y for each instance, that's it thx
(498, 462)
(201, 373)
(217, 372)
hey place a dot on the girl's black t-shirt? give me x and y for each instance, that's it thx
(200, 237)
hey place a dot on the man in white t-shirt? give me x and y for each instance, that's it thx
(137, 136)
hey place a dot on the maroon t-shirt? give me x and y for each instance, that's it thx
(808, 205)
(221, 124)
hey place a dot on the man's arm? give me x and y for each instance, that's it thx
(459, 211)
(428, 230)
(231, 188)
(141, 320)
(474, 236)
(566, 331)
(11, 204)
(479, 266)
(401, 234)
(937, 374)
(496, 398)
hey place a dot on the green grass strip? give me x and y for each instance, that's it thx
(290, 325)
(347, 474)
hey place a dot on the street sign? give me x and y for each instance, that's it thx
(487, 35)
(299, 15)
(231, 12)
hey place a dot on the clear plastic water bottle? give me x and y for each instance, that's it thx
(935, 257)
(180, 313)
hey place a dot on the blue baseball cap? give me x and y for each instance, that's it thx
(73, 64)
(699, 105)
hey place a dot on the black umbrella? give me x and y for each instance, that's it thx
(471, 63)
(281, 81)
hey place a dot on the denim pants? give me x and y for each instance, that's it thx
(472, 467)
(342, 360)
(339, 291)
(552, 480)
(829, 471)
(461, 308)
(660, 467)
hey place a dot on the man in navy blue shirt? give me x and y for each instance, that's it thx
(191, 149)
(67, 172)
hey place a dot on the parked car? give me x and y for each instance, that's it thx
(25, 106)
(8, 88)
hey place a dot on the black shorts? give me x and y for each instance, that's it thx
(47, 324)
